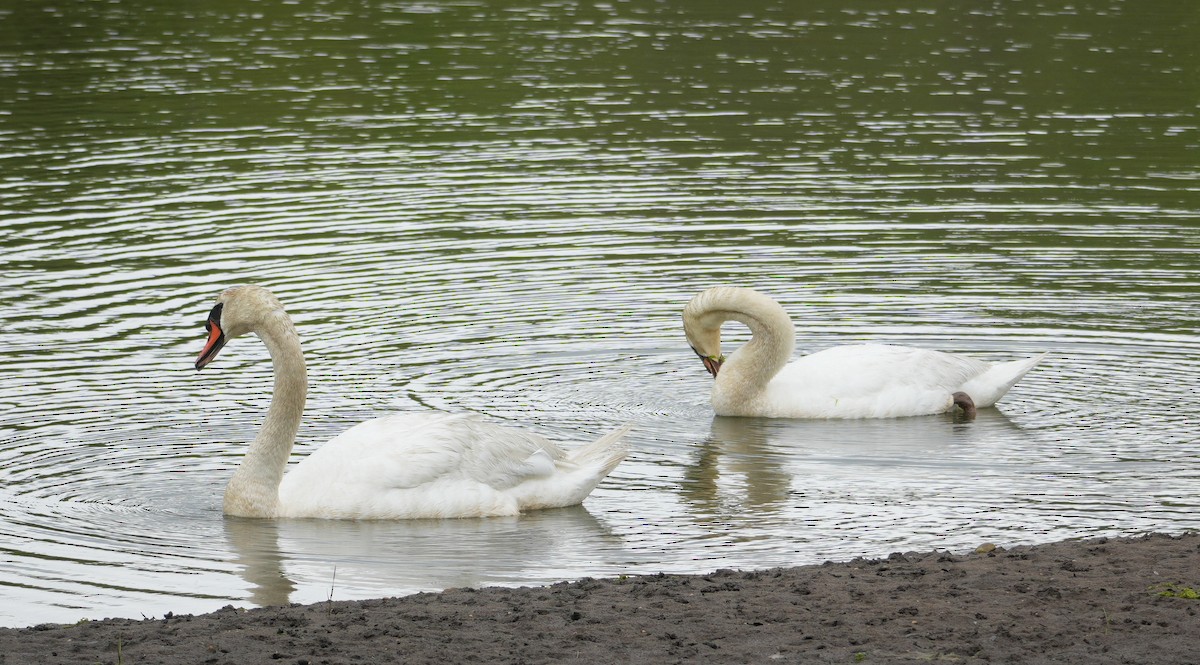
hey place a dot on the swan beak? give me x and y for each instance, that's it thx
(713, 365)
(216, 340)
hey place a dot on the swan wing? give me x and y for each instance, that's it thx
(442, 465)
(503, 457)
(866, 368)
(871, 380)
(405, 451)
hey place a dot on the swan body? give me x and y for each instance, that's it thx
(859, 381)
(400, 466)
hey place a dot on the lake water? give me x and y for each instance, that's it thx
(503, 207)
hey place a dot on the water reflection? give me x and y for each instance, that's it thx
(255, 546)
(741, 452)
(752, 466)
(298, 560)
(923, 439)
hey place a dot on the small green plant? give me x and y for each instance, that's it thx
(120, 655)
(1169, 590)
(860, 656)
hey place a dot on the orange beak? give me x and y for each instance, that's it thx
(216, 339)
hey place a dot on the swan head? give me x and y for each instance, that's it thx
(712, 362)
(239, 310)
(702, 327)
(772, 330)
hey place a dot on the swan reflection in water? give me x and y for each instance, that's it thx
(255, 545)
(749, 467)
(310, 560)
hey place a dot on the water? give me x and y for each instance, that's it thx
(504, 209)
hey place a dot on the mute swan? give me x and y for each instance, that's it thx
(861, 381)
(395, 467)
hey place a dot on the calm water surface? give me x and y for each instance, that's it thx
(503, 208)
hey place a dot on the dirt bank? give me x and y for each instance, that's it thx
(1095, 601)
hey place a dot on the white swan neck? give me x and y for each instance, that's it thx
(745, 375)
(254, 489)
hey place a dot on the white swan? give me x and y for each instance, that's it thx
(862, 381)
(396, 467)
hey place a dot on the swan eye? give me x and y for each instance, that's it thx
(214, 316)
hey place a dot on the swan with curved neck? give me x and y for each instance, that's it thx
(419, 465)
(860, 381)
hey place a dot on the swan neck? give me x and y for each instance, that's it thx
(773, 338)
(254, 489)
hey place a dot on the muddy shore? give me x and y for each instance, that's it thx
(1079, 601)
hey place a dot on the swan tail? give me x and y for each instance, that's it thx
(605, 452)
(987, 388)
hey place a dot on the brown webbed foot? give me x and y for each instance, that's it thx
(964, 402)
